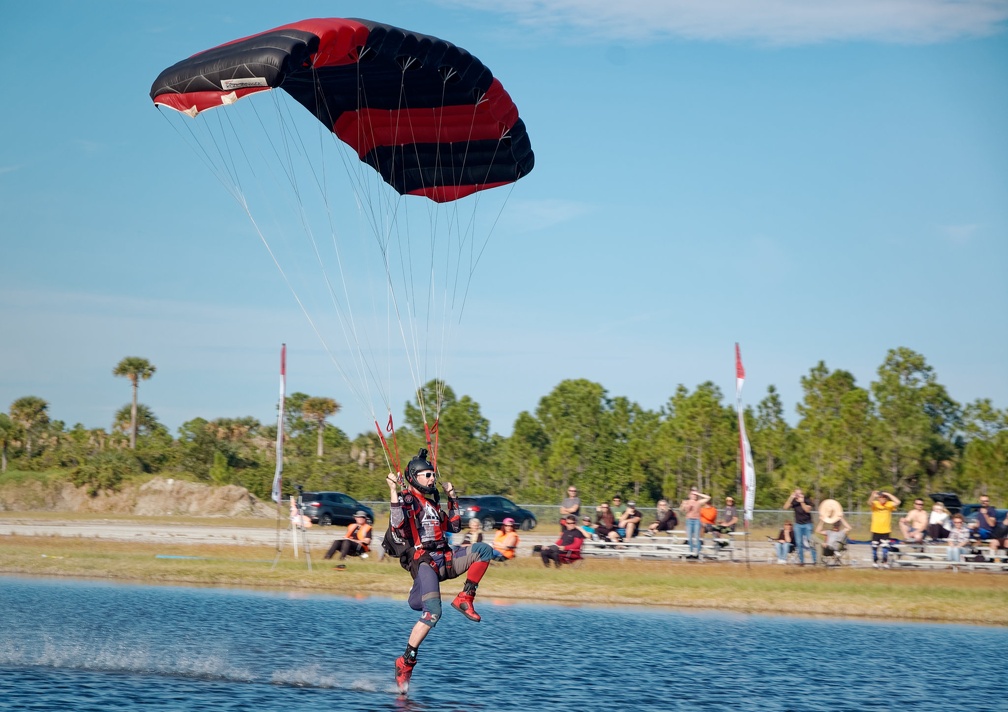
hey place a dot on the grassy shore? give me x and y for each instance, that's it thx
(892, 595)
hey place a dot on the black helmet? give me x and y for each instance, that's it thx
(417, 465)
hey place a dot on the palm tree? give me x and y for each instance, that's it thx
(6, 436)
(29, 413)
(134, 368)
(317, 410)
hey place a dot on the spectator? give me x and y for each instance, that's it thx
(571, 504)
(617, 507)
(729, 517)
(785, 542)
(605, 523)
(802, 507)
(999, 539)
(914, 524)
(882, 506)
(690, 508)
(958, 539)
(834, 538)
(938, 522)
(708, 517)
(586, 528)
(567, 548)
(474, 533)
(986, 518)
(506, 541)
(356, 541)
(629, 521)
(667, 520)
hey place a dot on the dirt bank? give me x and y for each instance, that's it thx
(157, 497)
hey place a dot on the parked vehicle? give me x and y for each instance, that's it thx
(969, 511)
(491, 509)
(325, 508)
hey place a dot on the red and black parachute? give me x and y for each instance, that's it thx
(427, 115)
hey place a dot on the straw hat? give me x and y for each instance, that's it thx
(830, 511)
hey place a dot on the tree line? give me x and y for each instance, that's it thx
(903, 433)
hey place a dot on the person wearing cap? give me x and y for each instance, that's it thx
(506, 541)
(629, 521)
(802, 507)
(729, 517)
(356, 541)
(567, 548)
(418, 535)
(882, 505)
(586, 528)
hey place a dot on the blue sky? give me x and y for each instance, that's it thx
(817, 181)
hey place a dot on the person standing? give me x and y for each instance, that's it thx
(690, 508)
(571, 504)
(802, 507)
(418, 530)
(882, 505)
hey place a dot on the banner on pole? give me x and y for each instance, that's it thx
(745, 451)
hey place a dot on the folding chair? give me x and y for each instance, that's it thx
(837, 556)
(572, 556)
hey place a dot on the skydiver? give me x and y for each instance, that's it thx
(419, 525)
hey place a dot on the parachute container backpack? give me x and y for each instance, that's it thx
(367, 177)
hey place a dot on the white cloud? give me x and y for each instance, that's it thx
(785, 22)
(960, 234)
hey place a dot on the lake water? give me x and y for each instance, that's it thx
(82, 645)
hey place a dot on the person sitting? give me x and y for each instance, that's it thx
(999, 540)
(986, 518)
(938, 522)
(835, 537)
(356, 541)
(506, 541)
(667, 520)
(587, 529)
(629, 521)
(785, 542)
(708, 517)
(729, 517)
(914, 524)
(474, 533)
(958, 539)
(605, 523)
(567, 548)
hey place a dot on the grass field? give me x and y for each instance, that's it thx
(850, 592)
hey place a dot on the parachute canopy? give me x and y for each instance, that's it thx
(427, 115)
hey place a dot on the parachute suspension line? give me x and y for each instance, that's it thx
(291, 137)
(392, 459)
(365, 367)
(483, 247)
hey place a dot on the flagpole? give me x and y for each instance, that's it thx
(748, 472)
